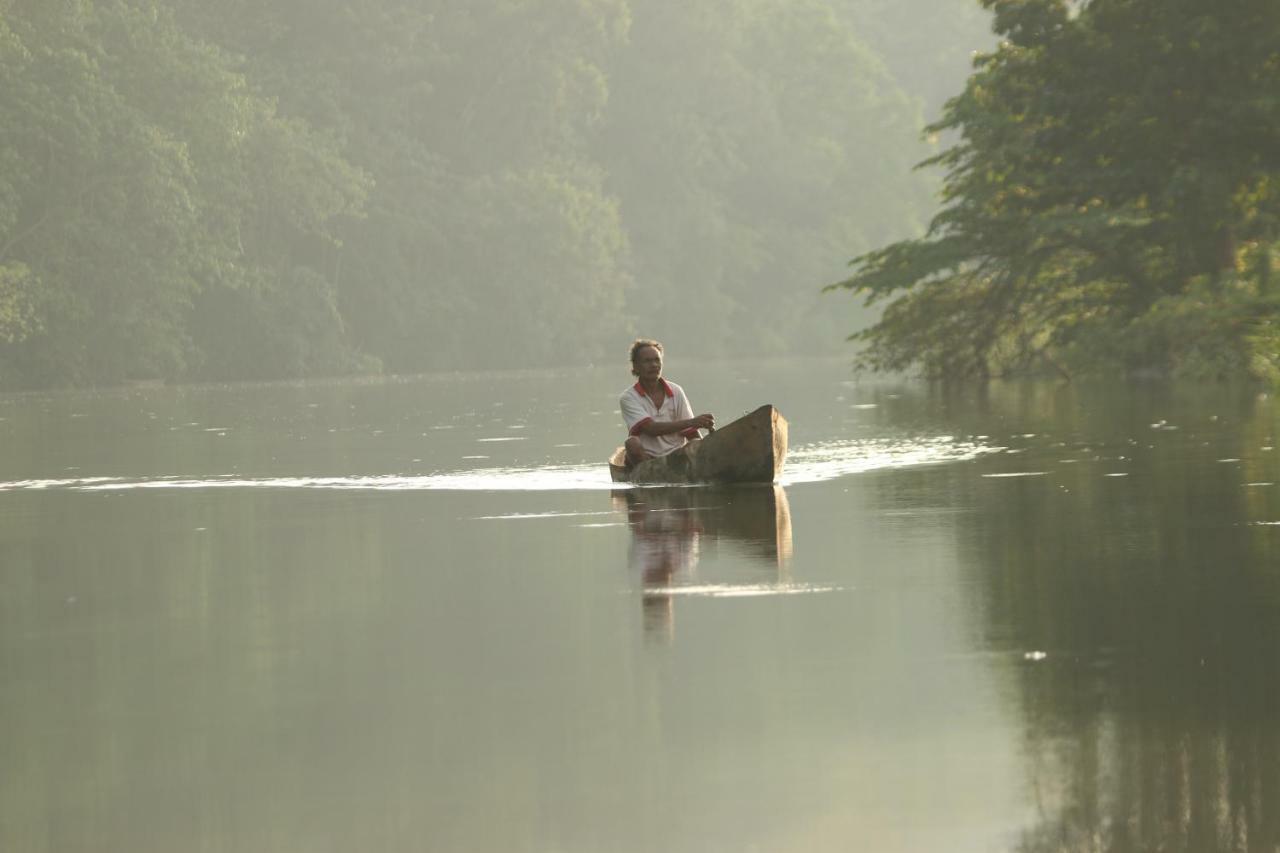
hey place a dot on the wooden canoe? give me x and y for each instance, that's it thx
(749, 450)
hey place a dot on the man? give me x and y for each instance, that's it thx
(656, 412)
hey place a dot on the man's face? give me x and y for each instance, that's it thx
(648, 364)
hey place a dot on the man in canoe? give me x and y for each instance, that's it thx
(656, 411)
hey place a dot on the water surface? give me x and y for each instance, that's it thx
(415, 615)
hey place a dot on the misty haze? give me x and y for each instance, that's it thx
(634, 425)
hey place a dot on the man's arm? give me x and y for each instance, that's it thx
(685, 412)
(652, 427)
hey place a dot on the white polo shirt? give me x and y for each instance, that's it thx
(638, 409)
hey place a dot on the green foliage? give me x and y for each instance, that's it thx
(489, 236)
(144, 176)
(302, 187)
(738, 132)
(1106, 204)
(927, 47)
(19, 307)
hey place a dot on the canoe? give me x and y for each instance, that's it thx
(748, 450)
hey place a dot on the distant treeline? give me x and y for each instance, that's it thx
(247, 189)
(1112, 202)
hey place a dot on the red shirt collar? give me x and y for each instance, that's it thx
(640, 389)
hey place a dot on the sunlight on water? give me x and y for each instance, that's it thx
(810, 463)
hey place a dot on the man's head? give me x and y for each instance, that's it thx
(646, 358)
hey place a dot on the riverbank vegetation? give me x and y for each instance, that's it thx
(249, 190)
(1112, 201)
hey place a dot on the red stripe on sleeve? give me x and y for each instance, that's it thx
(635, 430)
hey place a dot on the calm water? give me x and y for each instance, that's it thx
(414, 616)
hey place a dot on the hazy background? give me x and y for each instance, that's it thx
(238, 189)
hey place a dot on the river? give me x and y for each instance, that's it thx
(413, 614)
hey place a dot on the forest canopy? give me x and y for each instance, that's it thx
(247, 189)
(1111, 201)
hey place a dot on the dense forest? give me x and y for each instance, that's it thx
(193, 190)
(1111, 203)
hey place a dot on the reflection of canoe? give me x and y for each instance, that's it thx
(755, 519)
(749, 450)
(670, 525)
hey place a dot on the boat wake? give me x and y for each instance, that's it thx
(813, 463)
(548, 478)
(810, 463)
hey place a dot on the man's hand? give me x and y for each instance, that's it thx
(652, 427)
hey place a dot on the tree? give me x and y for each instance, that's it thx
(240, 189)
(736, 133)
(489, 228)
(927, 45)
(1107, 204)
(142, 177)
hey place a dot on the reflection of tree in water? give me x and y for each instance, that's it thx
(670, 524)
(1153, 721)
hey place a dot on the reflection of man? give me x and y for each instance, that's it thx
(656, 412)
(664, 541)
(664, 547)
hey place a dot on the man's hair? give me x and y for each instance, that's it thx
(640, 343)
